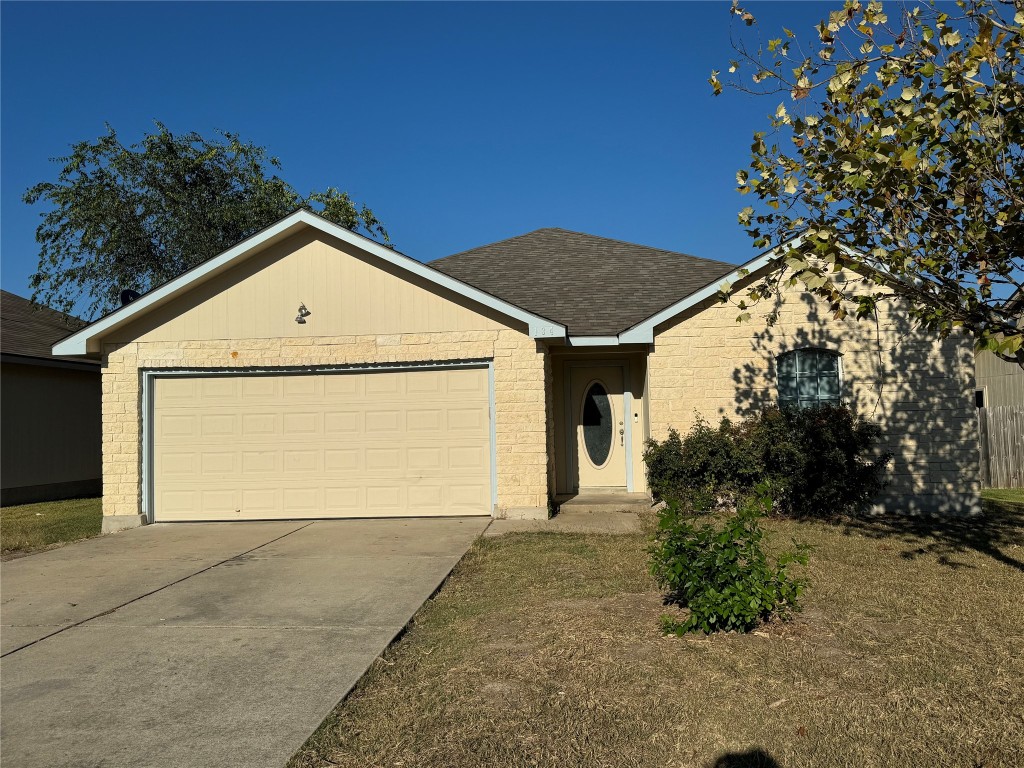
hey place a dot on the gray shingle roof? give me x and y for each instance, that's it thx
(30, 330)
(592, 285)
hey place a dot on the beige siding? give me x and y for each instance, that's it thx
(51, 432)
(919, 389)
(380, 444)
(347, 292)
(1003, 382)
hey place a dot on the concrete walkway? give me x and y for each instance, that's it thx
(204, 644)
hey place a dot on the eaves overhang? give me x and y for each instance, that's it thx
(643, 332)
(87, 341)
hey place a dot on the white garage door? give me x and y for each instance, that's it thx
(380, 444)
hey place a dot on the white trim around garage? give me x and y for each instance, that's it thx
(151, 374)
(85, 341)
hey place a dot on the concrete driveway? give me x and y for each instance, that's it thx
(205, 644)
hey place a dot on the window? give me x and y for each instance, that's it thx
(597, 424)
(809, 377)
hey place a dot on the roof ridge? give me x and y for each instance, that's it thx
(641, 245)
(496, 242)
(587, 235)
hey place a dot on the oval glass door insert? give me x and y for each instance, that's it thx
(597, 423)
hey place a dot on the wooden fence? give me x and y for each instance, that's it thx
(1001, 433)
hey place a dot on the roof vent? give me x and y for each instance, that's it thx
(128, 296)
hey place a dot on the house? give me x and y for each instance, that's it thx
(311, 372)
(49, 408)
(998, 382)
(999, 397)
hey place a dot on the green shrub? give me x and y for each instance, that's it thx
(701, 466)
(816, 461)
(722, 574)
(667, 470)
(831, 464)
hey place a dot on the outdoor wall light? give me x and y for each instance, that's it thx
(303, 314)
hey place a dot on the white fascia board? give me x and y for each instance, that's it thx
(593, 341)
(78, 343)
(643, 333)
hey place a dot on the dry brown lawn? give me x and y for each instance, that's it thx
(544, 650)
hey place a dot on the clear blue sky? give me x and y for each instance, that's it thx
(459, 124)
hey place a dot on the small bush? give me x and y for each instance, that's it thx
(722, 575)
(816, 461)
(828, 462)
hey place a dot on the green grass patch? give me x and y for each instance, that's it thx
(545, 649)
(1004, 495)
(31, 527)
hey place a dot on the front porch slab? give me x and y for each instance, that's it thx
(604, 500)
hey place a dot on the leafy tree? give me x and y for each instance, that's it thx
(897, 146)
(136, 216)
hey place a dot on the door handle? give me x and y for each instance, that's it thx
(622, 435)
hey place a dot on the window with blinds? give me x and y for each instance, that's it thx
(809, 377)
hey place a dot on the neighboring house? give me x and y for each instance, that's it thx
(1000, 382)
(49, 408)
(999, 396)
(997, 381)
(311, 372)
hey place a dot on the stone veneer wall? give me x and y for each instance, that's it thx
(919, 389)
(522, 381)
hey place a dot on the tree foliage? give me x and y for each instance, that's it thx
(136, 216)
(897, 146)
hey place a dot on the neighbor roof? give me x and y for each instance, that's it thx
(592, 285)
(30, 330)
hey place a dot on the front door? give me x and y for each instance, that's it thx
(598, 423)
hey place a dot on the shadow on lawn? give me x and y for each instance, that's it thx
(752, 758)
(992, 533)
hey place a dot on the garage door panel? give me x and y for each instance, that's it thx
(394, 443)
(425, 459)
(378, 422)
(219, 462)
(341, 460)
(343, 423)
(219, 425)
(179, 463)
(467, 420)
(467, 383)
(300, 388)
(303, 502)
(259, 424)
(347, 386)
(467, 495)
(424, 420)
(179, 390)
(303, 424)
(257, 389)
(258, 501)
(220, 501)
(224, 388)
